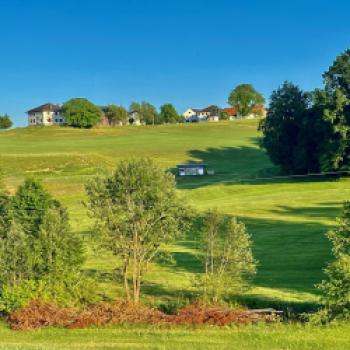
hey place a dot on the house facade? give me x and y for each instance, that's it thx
(196, 115)
(47, 114)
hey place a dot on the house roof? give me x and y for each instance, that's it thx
(47, 107)
(210, 108)
(192, 165)
(233, 111)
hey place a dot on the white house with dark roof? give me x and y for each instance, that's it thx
(47, 114)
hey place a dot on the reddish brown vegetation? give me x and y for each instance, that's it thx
(40, 314)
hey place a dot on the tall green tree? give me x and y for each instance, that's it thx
(5, 122)
(116, 115)
(336, 286)
(136, 211)
(336, 112)
(146, 112)
(227, 257)
(39, 254)
(81, 113)
(168, 114)
(245, 98)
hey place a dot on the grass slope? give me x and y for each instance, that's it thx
(287, 218)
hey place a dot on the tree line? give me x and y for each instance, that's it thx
(309, 132)
(82, 113)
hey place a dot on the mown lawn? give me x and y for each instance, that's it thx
(288, 218)
(260, 337)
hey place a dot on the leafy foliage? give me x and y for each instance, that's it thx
(116, 115)
(245, 98)
(81, 113)
(168, 114)
(5, 122)
(146, 112)
(136, 210)
(227, 257)
(37, 248)
(293, 129)
(310, 132)
(336, 288)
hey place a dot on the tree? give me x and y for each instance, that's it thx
(336, 286)
(5, 122)
(336, 112)
(116, 115)
(81, 113)
(223, 115)
(226, 256)
(168, 114)
(136, 211)
(146, 112)
(293, 130)
(245, 98)
(38, 250)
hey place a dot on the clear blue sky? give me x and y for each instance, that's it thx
(187, 52)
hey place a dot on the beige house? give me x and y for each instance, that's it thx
(47, 114)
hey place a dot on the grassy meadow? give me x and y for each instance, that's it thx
(287, 218)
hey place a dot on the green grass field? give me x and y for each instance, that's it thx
(288, 218)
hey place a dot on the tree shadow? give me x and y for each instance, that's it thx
(244, 164)
(322, 211)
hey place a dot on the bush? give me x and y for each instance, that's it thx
(73, 291)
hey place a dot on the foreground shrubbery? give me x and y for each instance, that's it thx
(40, 257)
(39, 314)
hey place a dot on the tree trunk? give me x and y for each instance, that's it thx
(126, 283)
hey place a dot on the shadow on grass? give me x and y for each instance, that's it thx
(324, 210)
(245, 164)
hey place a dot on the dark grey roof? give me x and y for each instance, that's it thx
(47, 107)
(192, 165)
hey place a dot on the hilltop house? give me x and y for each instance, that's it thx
(51, 114)
(233, 113)
(195, 115)
(47, 114)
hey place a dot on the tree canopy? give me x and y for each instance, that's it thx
(116, 115)
(245, 98)
(310, 131)
(39, 254)
(168, 114)
(146, 112)
(136, 211)
(5, 122)
(81, 113)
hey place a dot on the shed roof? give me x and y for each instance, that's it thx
(192, 165)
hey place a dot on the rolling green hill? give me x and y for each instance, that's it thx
(287, 218)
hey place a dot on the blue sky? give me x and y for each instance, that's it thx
(189, 53)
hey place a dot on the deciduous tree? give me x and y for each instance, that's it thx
(116, 115)
(245, 98)
(136, 211)
(5, 122)
(81, 113)
(226, 255)
(168, 114)
(146, 112)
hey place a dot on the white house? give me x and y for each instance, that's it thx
(134, 118)
(195, 115)
(47, 114)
